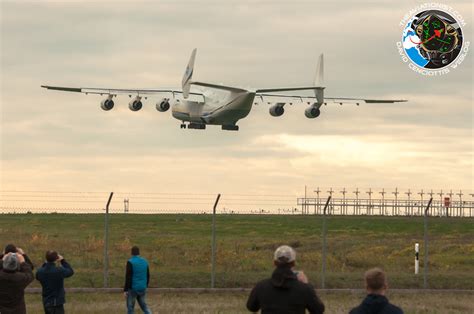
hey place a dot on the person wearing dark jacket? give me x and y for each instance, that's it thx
(287, 291)
(376, 302)
(137, 278)
(51, 278)
(15, 276)
(11, 248)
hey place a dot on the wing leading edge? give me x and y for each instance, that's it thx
(331, 99)
(115, 91)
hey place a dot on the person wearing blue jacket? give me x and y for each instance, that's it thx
(137, 278)
(51, 277)
(376, 302)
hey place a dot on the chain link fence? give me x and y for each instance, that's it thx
(189, 246)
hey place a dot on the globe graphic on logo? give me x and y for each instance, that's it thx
(432, 39)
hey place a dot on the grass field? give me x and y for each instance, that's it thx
(419, 303)
(178, 247)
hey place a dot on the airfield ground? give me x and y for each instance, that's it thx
(336, 303)
(178, 247)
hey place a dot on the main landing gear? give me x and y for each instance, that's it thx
(230, 127)
(197, 126)
(202, 126)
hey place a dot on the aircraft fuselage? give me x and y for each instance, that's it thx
(217, 107)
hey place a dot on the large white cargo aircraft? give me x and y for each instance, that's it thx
(219, 104)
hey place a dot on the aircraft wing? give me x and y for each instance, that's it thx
(116, 91)
(339, 100)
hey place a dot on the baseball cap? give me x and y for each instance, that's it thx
(284, 254)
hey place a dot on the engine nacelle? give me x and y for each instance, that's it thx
(163, 105)
(107, 104)
(277, 109)
(135, 104)
(312, 112)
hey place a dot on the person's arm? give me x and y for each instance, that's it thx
(147, 276)
(128, 277)
(253, 304)
(313, 303)
(25, 272)
(66, 269)
(28, 261)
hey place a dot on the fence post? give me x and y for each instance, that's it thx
(106, 243)
(425, 240)
(323, 262)
(213, 245)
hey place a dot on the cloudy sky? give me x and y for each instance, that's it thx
(64, 142)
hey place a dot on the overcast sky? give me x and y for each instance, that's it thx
(64, 141)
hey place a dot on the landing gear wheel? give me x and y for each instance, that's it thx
(230, 127)
(183, 126)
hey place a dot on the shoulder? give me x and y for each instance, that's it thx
(307, 287)
(393, 309)
(41, 269)
(263, 283)
(355, 310)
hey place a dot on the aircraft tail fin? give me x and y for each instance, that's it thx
(319, 80)
(188, 74)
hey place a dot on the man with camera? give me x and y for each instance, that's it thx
(51, 276)
(11, 248)
(15, 276)
(287, 291)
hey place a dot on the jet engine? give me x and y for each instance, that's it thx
(135, 104)
(277, 109)
(312, 111)
(163, 105)
(107, 104)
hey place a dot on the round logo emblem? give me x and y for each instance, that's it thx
(432, 39)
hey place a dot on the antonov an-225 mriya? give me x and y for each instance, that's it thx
(218, 104)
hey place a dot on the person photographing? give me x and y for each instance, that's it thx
(51, 276)
(287, 291)
(15, 276)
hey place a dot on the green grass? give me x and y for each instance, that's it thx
(411, 303)
(178, 247)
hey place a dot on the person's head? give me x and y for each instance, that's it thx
(51, 256)
(135, 251)
(10, 248)
(375, 281)
(284, 256)
(10, 262)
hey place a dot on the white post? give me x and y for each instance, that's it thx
(417, 261)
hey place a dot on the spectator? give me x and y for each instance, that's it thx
(375, 301)
(51, 277)
(287, 291)
(137, 278)
(11, 248)
(15, 276)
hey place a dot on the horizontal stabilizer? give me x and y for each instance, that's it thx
(285, 89)
(217, 86)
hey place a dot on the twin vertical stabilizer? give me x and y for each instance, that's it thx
(188, 74)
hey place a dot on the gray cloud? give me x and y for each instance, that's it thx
(50, 137)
